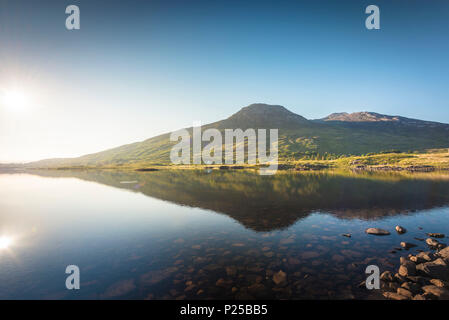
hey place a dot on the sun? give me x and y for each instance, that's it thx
(14, 99)
(5, 242)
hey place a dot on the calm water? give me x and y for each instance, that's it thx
(199, 235)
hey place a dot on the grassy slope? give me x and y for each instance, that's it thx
(299, 139)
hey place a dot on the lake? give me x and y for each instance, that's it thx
(190, 234)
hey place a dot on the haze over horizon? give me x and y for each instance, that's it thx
(138, 69)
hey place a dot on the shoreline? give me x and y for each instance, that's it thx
(381, 162)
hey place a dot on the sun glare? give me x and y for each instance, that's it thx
(15, 100)
(5, 242)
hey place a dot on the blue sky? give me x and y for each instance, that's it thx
(140, 68)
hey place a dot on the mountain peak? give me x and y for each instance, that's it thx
(373, 117)
(261, 115)
(364, 116)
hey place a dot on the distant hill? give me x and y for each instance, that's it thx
(335, 135)
(365, 117)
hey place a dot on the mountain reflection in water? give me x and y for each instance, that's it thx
(266, 203)
(131, 245)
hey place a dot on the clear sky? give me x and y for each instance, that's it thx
(140, 68)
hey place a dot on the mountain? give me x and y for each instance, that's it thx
(365, 117)
(335, 135)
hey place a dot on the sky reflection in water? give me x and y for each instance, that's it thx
(189, 234)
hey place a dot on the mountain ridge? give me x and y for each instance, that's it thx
(335, 135)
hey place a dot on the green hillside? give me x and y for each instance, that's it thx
(328, 138)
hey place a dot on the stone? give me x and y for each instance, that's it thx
(400, 229)
(412, 287)
(416, 259)
(280, 277)
(407, 245)
(394, 296)
(377, 231)
(427, 256)
(444, 253)
(436, 235)
(439, 283)
(407, 268)
(223, 283)
(440, 293)
(437, 269)
(432, 242)
(400, 279)
(404, 292)
(419, 280)
(393, 286)
(387, 276)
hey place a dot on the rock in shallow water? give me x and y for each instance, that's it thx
(280, 277)
(436, 235)
(377, 231)
(407, 245)
(432, 242)
(394, 296)
(437, 269)
(440, 293)
(400, 229)
(407, 268)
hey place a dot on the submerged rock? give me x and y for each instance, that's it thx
(280, 277)
(377, 231)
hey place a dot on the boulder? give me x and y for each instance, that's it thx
(444, 253)
(377, 231)
(407, 268)
(440, 293)
(412, 287)
(419, 280)
(437, 269)
(427, 256)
